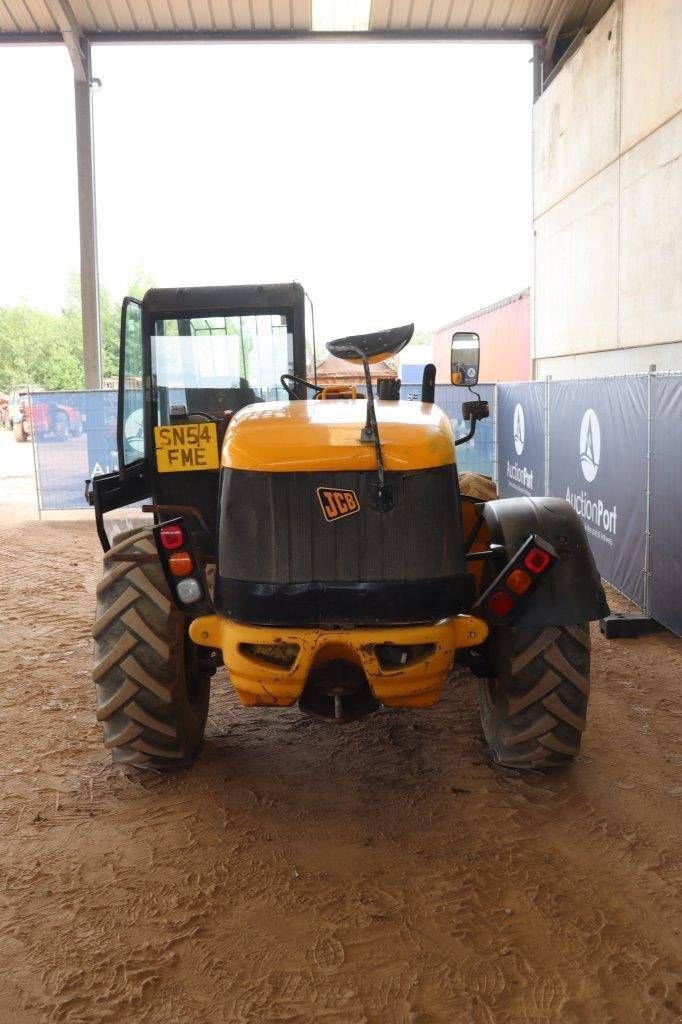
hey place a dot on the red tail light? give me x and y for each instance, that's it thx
(537, 560)
(518, 581)
(172, 537)
(501, 604)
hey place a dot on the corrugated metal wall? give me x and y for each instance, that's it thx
(505, 341)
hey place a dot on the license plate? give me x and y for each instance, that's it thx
(191, 446)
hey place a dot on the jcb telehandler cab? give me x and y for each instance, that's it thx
(315, 541)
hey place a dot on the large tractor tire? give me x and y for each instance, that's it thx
(19, 431)
(152, 683)
(534, 711)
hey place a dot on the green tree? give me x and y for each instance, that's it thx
(39, 348)
(46, 349)
(110, 332)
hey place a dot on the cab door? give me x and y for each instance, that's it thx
(131, 483)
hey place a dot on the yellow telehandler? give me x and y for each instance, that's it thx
(314, 540)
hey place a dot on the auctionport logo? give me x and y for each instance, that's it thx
(590, 445)
(601, 520)
(520, 477)
(133, 431)
(519, 429)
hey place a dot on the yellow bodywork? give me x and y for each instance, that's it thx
(288, 437)
(324, 436)
(415, 685)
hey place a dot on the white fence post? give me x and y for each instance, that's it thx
(496, 468)
(647, 527)
(34, 446)
(548, 380)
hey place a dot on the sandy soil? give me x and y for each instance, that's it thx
(381, 872)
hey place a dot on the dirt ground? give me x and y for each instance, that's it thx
(381, 872)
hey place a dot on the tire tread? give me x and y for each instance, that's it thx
(149, 717)
(535, 711)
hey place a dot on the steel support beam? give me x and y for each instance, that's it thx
(72, 35)
(558, 18)
(531, 35)
(79, 51)
(87, 222)
(538, 50)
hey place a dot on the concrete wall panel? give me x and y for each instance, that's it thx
(651, 251)
(607, 148)
(576, 121)
(652, 66)
(576, 285)
(605, 364)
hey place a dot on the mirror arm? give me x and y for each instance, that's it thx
(370, 435)
(467, 437)
(473, 411)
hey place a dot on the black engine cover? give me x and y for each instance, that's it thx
(313, 549)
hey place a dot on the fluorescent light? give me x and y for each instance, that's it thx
(341, 15)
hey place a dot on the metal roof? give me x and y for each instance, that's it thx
(516, 297)
(138, 20)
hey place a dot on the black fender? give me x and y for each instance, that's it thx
(572, 591)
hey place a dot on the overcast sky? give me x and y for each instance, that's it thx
(393, 180)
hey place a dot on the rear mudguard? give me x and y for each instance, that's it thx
(572, 591)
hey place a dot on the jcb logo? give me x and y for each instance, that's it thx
(336, 503)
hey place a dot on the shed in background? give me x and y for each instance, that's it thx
(331, 370)
(504, 328)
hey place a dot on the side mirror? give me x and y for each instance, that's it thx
(464, 358)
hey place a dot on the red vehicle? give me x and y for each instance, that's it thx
(44, 418)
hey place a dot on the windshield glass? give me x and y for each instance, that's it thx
(213, 364)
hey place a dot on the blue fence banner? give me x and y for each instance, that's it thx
(74, 435)
(521, 439)
(665, 563)
(477, 455)
(598, 463)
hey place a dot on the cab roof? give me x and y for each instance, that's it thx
(206, 299)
